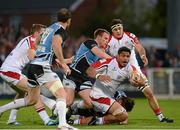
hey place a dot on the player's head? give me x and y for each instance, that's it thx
(123, 56)
(126, 102)
(36, 29)
(102, 37)
(64, 16)
(117, 28)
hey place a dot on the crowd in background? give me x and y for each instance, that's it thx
(157, 57)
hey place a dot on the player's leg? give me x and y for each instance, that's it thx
(86, 103)
(53, 83)
(83, 91)
(59, 92)
(153, 103)
(69, 87)
(104, 104)
(40, 109)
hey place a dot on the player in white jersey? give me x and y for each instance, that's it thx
(102, 95)
(11, 72)
(119, 39)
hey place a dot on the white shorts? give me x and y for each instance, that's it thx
(39, 75)
(11, 76)
(101, 101)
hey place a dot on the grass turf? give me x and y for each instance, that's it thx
(141, 117)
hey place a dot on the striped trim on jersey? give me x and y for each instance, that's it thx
(11, 74)
(102, 62)
(31, 42)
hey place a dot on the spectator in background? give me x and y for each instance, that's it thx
(177, 51)
(2, 53)
(167, 60)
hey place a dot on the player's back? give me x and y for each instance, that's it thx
(18, 57)
(84, 56)
(44, 53)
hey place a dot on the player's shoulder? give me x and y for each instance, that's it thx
(90, 41)
(130, 35)
(101, 62)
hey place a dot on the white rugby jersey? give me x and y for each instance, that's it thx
(18, 57)
(118, 75)
(128, 40)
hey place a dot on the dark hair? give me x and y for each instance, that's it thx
(124, 49)
(63, 15)
(116, 21)
(128, 103)
(36, 28)
(100, 32)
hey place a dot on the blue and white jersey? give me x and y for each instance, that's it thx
(44, 52)
(84, 57)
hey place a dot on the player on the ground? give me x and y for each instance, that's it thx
(119, 39)
(95, 118)
(117, 69)
(11, 72)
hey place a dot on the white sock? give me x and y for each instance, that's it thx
(12, 116)
(61, 108)
(48, 102)
(81, 105)
(77, 122)
(43, 114)
(13, 105)
(100, 121)
(160, 116)
(77, 105)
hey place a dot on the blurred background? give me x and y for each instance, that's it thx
(155, 22)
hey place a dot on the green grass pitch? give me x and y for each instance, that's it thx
(141, 118)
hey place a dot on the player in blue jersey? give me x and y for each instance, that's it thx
(90, 51)
(39, 71)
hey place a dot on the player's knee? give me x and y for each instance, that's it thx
(31, 101)
(69, 100)
(120, 114)
(57, 90)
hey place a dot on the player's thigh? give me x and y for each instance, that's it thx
(70, 95)
(16, 80)
(33, 95)
(22, 84)
(85, 95)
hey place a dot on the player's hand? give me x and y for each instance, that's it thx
(69, 60)
(66, 69)
(104, 78)
(137, 81)
(144, 60)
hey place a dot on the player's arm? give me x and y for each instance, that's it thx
(92, 45)
(57, 48)
(98, 52)
(31, 53)
(92, 71)
(67, 61)
(140, 49)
